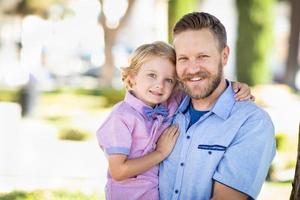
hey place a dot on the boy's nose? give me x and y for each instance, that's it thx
(159, 85)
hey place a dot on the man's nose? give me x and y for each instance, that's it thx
(194, 66)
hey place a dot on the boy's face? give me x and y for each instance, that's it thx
(155, 81)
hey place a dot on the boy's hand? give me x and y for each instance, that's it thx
(167, 140)
(242, 92)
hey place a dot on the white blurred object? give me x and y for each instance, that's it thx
(297, 81)
(10, 116)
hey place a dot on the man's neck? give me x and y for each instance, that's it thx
(208, 102)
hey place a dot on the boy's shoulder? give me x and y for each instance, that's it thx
(124, 109)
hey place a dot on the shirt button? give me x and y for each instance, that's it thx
(209, 152)
(176, 191)
(188, 137)
(182, 164)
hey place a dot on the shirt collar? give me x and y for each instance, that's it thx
(225, 102)
(222, 107)
(135, 103)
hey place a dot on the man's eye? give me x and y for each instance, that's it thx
(182, 59)
(203, 56)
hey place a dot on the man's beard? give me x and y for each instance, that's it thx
(205, 91)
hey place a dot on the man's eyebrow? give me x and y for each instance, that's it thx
(180, 55)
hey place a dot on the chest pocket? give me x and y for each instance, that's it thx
(212, 147)
(211, 154)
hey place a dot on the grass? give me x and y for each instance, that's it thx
(50, 195)
(270, 190)
(275, 191)
(74, 134)
(63, 110)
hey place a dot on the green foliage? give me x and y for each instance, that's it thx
(178, 8)
(291, 164)
(22, 195)
(112, 96)
(38, 7)
(281, 140)
(9, 95)
(49, 195)
(254, 40)
(75, 134)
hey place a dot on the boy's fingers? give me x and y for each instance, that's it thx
(175, 136)
(236, 87)
(241, 94)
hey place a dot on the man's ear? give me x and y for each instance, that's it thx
(225, 55)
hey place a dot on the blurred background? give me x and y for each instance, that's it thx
(59, 77)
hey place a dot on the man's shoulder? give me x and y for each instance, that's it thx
(255, 120)
(250, 109)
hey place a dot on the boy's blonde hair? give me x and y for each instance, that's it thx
(142, 54)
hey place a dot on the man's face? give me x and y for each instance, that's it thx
(199, 62)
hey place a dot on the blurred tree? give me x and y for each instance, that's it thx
(178, 8)
(254, 40)
(110, 34)
(292, 65)
(36, 7)
(295, 194)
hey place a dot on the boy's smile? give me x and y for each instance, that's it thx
(154, 82)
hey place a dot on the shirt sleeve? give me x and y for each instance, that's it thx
(114, 136)
(246, 161)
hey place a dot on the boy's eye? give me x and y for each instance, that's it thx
(152, 75)
(169, 80)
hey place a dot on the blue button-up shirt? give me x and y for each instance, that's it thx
(233, 144)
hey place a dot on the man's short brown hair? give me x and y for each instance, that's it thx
(201, 20)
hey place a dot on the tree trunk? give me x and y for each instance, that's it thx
(178, 8)
(254, 40)
(292, 65)
(110, 34)
(108, 69)
(295, 195)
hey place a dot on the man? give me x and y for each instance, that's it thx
(225, 147)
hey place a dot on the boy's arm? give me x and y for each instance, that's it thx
(121, 168)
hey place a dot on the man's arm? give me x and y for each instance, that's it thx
(223, 192)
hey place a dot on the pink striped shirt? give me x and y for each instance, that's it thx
(127, 130)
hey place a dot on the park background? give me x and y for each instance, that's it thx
(60, 74)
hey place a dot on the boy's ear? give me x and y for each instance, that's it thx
(131, 80)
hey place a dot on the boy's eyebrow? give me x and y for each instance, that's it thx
(151, 70)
